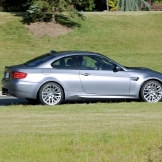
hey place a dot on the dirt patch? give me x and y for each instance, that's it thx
(42, 28)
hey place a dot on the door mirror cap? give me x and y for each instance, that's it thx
(117, 68)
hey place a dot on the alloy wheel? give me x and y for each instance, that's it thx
(51, 94)
(152, 91)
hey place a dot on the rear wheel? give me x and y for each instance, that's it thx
(51, 94)
(151, 91)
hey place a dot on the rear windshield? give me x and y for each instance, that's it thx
(38, 60)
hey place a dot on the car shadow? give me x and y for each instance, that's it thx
(101, 101)
(7, 101)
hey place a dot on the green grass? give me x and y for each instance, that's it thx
(96, 132)
(100, 132)
(131, 39)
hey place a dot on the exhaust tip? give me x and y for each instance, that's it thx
(4, 91)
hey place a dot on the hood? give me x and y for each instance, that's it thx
(142, 69)
(137, 68)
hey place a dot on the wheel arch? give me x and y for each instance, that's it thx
(153, 79)
(37, 94)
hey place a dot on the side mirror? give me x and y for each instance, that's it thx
(117, 68)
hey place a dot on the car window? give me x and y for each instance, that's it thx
(65, 63)
(106, 65)
(38, 60)
(94, 63)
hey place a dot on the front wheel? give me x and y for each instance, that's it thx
(51, 94)
(151, 91)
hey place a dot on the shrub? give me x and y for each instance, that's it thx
(46, 10)
(157, 6)
(133, 5)
(36, 11)
(113, 4)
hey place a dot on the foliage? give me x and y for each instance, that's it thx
(45, 10)
(1, 5)
(113, 4)
(42, 10)
(8, 5)
(153, 1)
(157, 6)
(87, 4)
(12, 6)
(133, 5)
(80, 14)
(37, 10)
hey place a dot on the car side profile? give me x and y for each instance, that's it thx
(79, 75)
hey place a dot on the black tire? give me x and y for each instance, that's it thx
(51, 93)
(33, 101)
(151, 91)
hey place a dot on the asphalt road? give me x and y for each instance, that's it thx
(9, 100)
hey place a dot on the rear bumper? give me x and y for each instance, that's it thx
(19, 88)
(4, 91)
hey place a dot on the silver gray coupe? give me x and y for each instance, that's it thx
(72, 75)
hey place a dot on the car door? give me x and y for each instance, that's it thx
(98, 76)
(66, 72)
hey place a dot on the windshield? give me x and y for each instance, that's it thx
(38, 60)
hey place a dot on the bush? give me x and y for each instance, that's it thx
(46, 10)
(133, 5)
(156, 1)
(36, 11)
(157, 6)
(12, 5)
(113, 5)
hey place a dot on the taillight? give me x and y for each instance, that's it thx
(18, 75)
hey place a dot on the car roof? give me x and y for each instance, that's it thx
(67, 53)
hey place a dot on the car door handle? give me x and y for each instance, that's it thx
(85, 74)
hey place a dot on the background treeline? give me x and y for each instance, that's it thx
(23, 5)
(12, 5)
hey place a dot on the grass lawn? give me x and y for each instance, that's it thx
(131, 39)
(95, 132)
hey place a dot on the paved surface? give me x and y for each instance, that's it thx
(9, 100)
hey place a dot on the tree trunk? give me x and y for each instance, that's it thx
(107, 4)
(53, 15)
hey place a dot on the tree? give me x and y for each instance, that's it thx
(107, 5)
(112, 4)
(133, 5)
(12, 5)
(39, 10)
(87, 4)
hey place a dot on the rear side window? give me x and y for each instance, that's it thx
(38, 60)
(66, 63)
